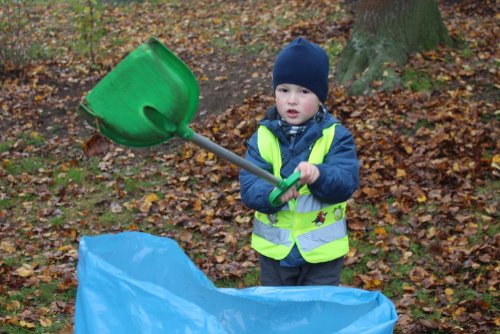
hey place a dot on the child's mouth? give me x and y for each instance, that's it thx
(292, 113)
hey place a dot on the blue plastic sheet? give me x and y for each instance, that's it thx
(134, 282)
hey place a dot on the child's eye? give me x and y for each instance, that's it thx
(305, 91)
(282, 90)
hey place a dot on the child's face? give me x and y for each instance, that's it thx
(296, 104)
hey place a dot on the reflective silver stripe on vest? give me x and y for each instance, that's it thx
(322, 236)
(307, 203)
(276, 235)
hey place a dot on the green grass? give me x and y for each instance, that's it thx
(132, 185)
(484, 230)
(491, 187)
(334, 49)
(7, 203)
(424, 123)
(250, 279)
(467, 52)
(255, 48)
(417, 81)
(72, 175)
(12, 261)
(56, 128)
(32, 138)
(25, 165)
(108, 218)
(57, 222)
(224, 45)
(6, 145)
(348, 274)
(394, 288)
(283, 21)
(41, 295)
(335, 17)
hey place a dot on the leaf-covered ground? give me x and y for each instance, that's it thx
(423, 224)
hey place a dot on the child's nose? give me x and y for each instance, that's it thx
(292, 98)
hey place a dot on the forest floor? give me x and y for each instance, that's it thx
(423, 224)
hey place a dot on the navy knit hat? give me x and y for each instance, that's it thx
(305, 64)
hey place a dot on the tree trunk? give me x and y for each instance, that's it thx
(384, 32)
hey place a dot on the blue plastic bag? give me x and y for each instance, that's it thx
(138, 283)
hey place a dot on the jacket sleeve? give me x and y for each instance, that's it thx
(339, 172)
(254, 190)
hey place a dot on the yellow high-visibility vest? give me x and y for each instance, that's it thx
(319, 229)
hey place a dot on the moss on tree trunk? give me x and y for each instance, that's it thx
(384, 33)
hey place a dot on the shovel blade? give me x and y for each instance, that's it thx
(144, 100)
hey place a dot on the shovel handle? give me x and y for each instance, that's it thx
(282, 186)
(234, 158)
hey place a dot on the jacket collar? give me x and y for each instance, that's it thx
(313, 131)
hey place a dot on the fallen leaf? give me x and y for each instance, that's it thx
(152, 197)
(145, 206)
(197, 205)
(13, 305)
(45, 322)
(96, 145)
(26, 324)
(116, 207)
(381, 231)
(7, 247)
(231, 240)
(25, 270)
(400, 173)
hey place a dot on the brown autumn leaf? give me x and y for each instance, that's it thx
(27, 324)
(220, 258)
(380, 231)
(373, 281)
(25, 270)
(96, 145)
(7, 247)
(45, 322)
(356, 225)
(13, 305)
(145, 206)
(197, 205)
(186, 236)
(371, 192)
(418, 274)
(231, 240)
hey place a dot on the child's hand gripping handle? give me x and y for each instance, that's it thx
(283, 187)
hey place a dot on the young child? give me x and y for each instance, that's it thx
(302, 242)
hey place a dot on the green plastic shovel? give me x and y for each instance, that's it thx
(151, 96)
